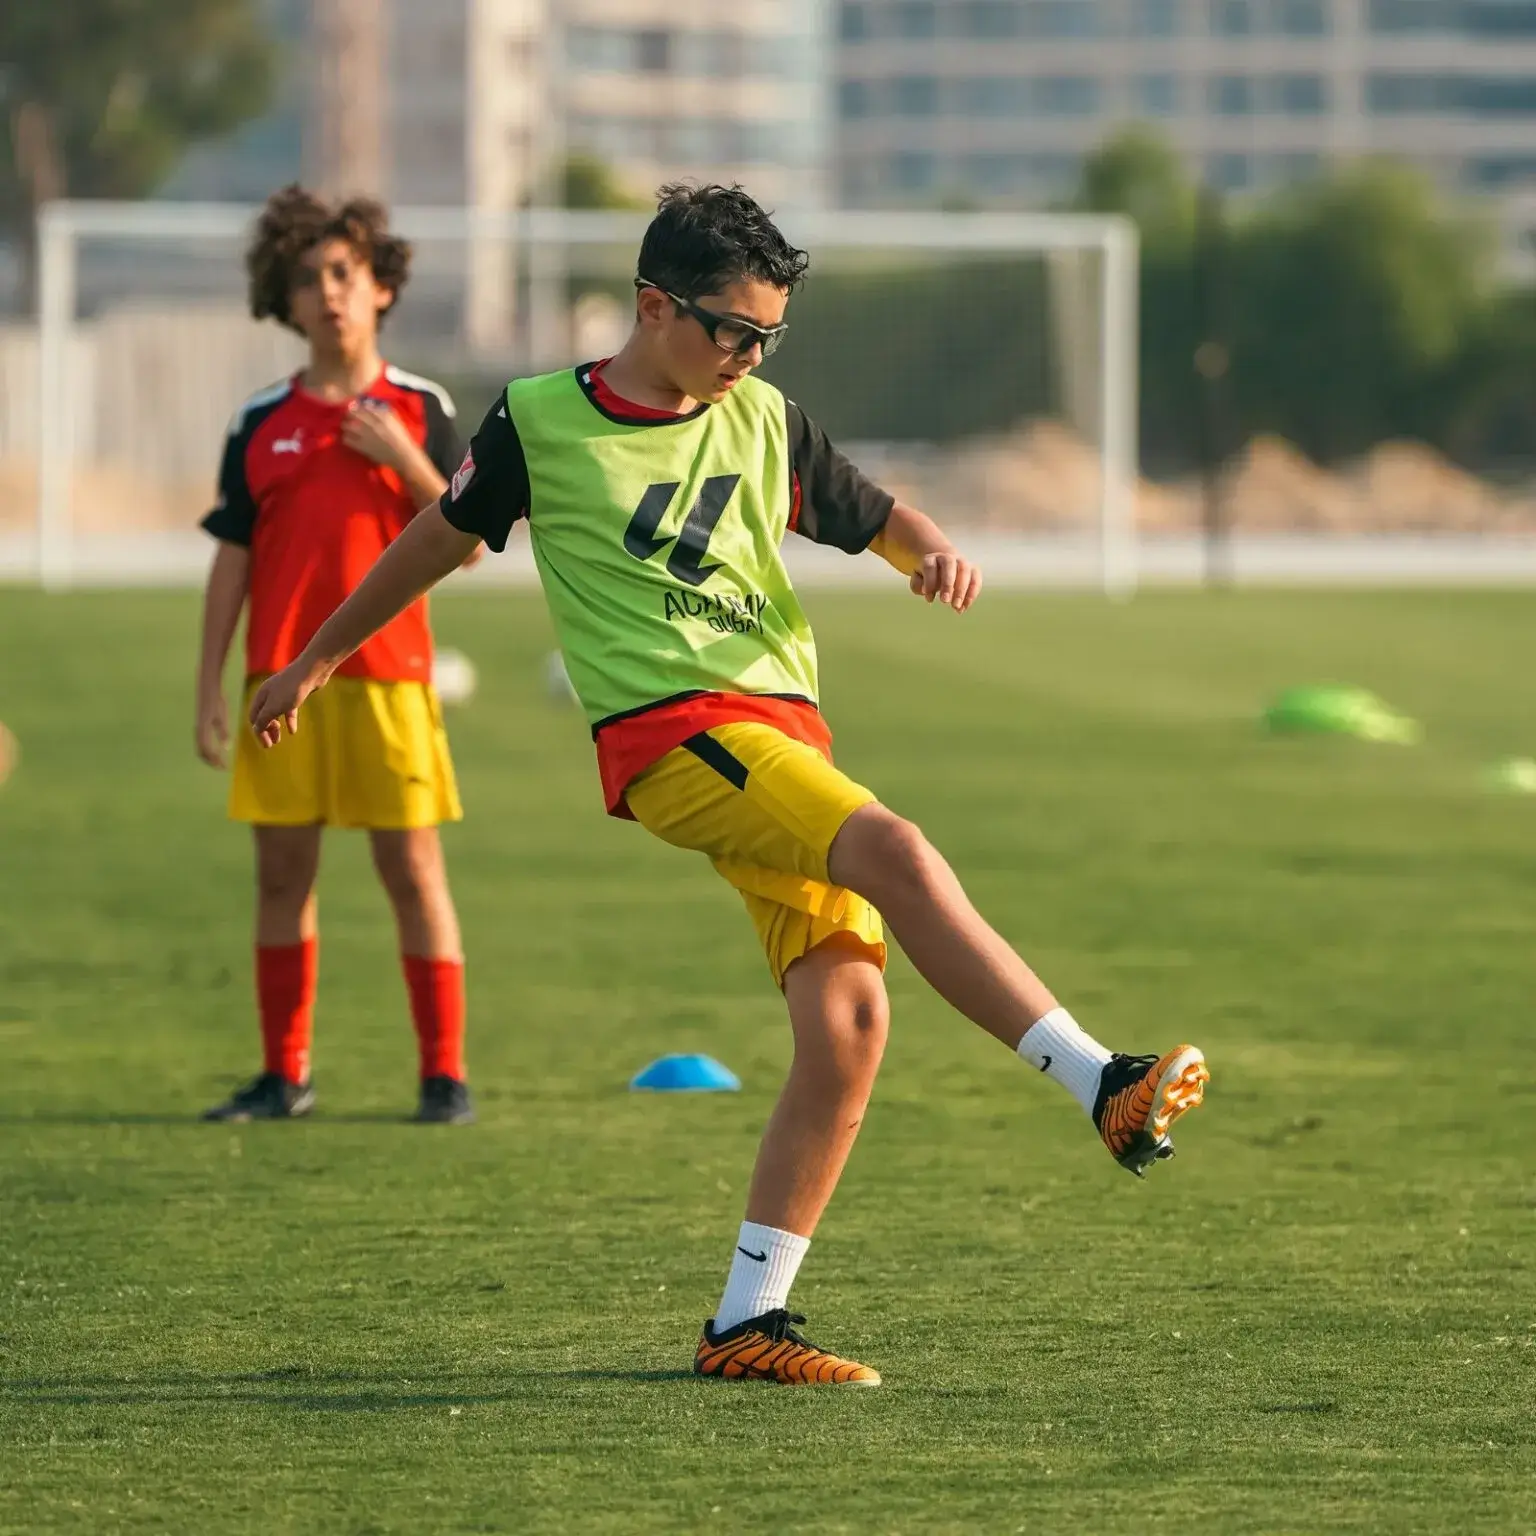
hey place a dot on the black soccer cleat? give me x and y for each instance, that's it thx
(444, 1101)
(267, 1097)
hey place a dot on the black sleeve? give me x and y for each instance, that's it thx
(838, 505)
(443, 444)
(488, 491)
(233, 518)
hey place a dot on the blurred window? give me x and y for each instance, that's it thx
(1232, 18)
(1298, 95)
(1053, 175)
(1388, 93)
(1155, 18)
(1229, 173)
(995, 172)
(1067, 95)
(1300, 18)
(916, 95)
(604, 49)
(1295, 167)
(855, 98)
(1502, 18)
(1036, 177)
(853, 21)
(1230, 95)
(992, 96)
(987, 18)
(913, 170)
(1062, 18)
(1497, 172)
(695, 138)
(1497, 95)
(1156, 95)
(653, 51)
(1409, 15)
(915, 18)
(768, 143)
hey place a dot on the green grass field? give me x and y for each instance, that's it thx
(1322, 1317)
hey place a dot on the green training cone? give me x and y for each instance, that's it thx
(1335, 710)
(1512, 776)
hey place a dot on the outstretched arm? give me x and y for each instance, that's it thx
(837, 504)
(916, 546)
(429, 549)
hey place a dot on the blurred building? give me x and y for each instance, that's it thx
(717, 88)
(474, 102)
(998, 101)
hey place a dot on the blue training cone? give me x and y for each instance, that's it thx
(687, 1073)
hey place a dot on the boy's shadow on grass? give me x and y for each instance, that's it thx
(305, 1390)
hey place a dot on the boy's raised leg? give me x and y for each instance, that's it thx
(1133, 1100)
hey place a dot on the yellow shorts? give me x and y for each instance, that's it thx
(764, 808)
(367, 754)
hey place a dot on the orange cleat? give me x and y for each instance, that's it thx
(767, 1348)
(1139, 1099)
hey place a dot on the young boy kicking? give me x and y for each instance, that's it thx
(319, 474)
(658, 486)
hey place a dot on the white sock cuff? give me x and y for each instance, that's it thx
(1057, 1046)
(763, 1269)
(760, 1238)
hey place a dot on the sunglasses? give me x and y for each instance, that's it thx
(729, 333)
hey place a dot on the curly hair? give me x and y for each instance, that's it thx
(705, 237)
(296, 220)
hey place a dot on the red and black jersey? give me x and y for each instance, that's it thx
(315, 515)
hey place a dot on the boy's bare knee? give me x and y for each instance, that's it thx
(857, 1025)
(840, 1012)
(409, 866)
(286, 869)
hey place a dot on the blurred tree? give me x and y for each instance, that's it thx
(1140, 175)
(588, 182)
(102, 97)
(1489, 390)
(1353, 301)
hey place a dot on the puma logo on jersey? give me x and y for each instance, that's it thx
(294, 444)
(462, 476)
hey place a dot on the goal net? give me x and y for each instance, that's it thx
(980, 366)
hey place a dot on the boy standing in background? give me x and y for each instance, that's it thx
(320, 473)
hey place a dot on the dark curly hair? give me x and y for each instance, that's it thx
(705, 237)
(296, 220)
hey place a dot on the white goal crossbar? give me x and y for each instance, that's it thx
(547, 235)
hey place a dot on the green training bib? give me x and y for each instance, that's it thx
(658, 546)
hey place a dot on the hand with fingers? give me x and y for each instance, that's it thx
(212, 732)
(949, 578)
(375, 431)
(278, 699)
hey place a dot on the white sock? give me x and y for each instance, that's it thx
(762, 1270)
(1056, 1046)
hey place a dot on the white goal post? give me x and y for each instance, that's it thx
(514, 278)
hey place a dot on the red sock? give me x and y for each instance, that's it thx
(285, 997)
(437, 1010)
